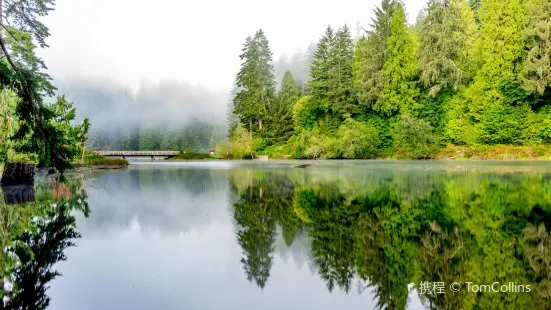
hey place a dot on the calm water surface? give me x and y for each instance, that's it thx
(266, 235)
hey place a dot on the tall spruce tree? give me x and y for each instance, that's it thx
(448, 33)
(536, 74)
(280, 114)
(498, 51)
(344, 97)
(321, 71)
(255, 80)
(370, 55)
(400, 90)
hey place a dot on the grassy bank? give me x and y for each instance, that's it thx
(189, 155)
(450, 152)
(92, 159)
(495, 152)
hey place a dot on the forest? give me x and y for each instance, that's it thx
(466, 74)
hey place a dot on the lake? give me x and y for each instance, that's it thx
(267, 235)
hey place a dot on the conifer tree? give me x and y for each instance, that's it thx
(289, 93)
(370, 55)
(344, 98)
(447, 35)
(280, 114)
(536, 74)
(255, 81)
(321, 70)
(400, 90)
(497, 52)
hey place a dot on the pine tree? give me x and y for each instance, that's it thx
(497, 52)
(536, 74)
(280, 116)
(370, 55)
(289, 93)
(447, 35)
(399, 70)
(344, 100)
(321, 70)
(255, 80)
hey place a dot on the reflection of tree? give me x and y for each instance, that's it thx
(538, 253)
(443, 260)
(372, 265)
(412, 226)
(333, 232)
(257, 237)
(36, 240)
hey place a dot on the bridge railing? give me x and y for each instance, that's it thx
(138, 153)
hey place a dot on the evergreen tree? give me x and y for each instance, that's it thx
(280, 116)
(321, 70)
(370, 55)
(255, 80)
(399, 70)
(536, 75)
(497, 52)
(447, 35)
(289, 93)
(344, 101)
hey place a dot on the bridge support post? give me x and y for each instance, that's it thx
(152, 157)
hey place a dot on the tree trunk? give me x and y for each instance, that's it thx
(251, 127)
(260, 124)
(18, 173)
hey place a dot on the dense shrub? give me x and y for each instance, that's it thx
(242, 143)
(414, 137)
(358, 140)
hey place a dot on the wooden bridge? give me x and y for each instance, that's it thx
(152, 154)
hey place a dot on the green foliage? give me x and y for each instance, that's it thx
(242, 143)
(415, 137)
(447, 35)
(370, 55)
(255, 80)
(224, 150)
(536, 74)
(189, 154)
(358, 140)
(399, 69)
(305, 114)
(333, 92)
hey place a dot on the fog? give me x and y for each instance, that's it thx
(130, 63)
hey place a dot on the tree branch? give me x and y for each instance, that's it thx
(8, 57)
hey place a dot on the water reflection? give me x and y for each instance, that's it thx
(33, 238)
(358, 233)
(380, 230)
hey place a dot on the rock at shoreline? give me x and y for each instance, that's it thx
(18, 194)
(16, 173)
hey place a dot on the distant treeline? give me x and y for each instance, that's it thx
(195, 135)
(163, 116)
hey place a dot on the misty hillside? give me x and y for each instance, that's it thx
(167, 115)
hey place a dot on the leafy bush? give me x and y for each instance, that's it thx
(305, 115)
(189, 154)
(242, 143)
(414, 137)
(224, 150)
(358, 140)
(505, 125)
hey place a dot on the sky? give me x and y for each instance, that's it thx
(135, 42)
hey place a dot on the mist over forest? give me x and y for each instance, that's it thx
(166, 115)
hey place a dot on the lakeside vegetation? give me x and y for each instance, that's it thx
(474, 75)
